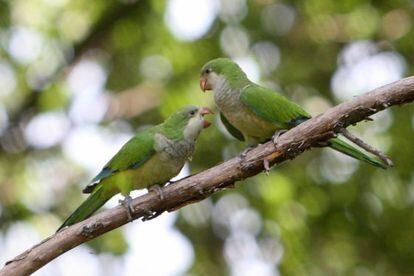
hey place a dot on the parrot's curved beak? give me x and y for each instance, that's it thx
(204, 85)
(204, 111)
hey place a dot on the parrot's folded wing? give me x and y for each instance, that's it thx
(132, 155)
(272, 106)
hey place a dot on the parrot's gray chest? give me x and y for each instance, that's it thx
(227, 99)
(179, 150)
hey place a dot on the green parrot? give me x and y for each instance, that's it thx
(255, 114)
(149, 159)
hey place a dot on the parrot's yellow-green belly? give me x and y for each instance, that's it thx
(158, 170)
(252, 127)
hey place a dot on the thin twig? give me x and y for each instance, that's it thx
(387, 161)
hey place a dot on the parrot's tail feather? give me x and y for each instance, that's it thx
(88, 207)
(350, 150)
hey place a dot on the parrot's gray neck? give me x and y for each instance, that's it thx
(176, 149)
(226, 98)
(193, 129)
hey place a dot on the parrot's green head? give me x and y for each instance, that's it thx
(220, 71)
(188, 122)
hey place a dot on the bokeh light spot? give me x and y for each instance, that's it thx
(234, 41)
(7, 80)
(25, 44)
(47, 129)
(190, 20)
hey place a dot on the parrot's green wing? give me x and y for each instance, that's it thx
(273, 107)
(132, 155)
(230, 128)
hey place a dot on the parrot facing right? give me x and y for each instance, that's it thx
(254, 113)
(149, 159)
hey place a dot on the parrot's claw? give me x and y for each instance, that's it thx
(245, 151)
(127, 203)
(151, 215)
(266, 166)
(157, 189)
(277, 135)
(170, 182)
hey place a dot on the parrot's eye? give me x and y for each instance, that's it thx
(207, 71)
(192, 112)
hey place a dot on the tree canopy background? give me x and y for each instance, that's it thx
(78, 78)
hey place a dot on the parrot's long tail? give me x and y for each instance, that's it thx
(95, 200)
(350, 150)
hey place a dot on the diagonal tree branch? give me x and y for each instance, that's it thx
(203, 184)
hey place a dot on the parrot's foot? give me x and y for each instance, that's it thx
(246, 150)
(244, 154)
(266, 166)
(127, 204)
(151, 215)
(277, 135)
(158, 190)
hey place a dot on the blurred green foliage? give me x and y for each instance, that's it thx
(320, 214)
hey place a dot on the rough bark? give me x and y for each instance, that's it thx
(224, 175)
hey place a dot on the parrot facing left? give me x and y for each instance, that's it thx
(254, 113)
(149, 159)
